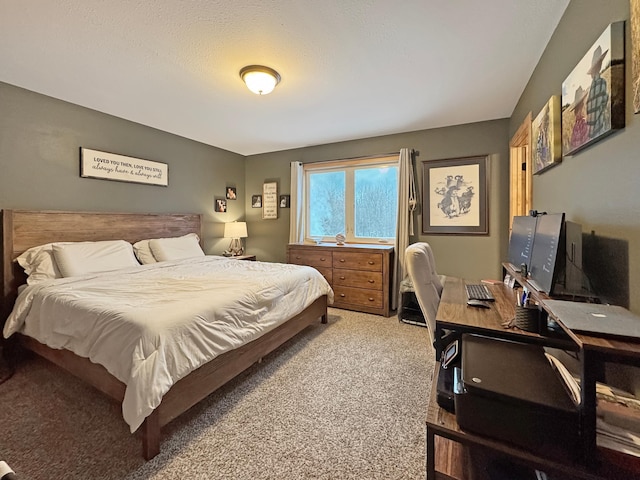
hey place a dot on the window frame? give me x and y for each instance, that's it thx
(349, 167)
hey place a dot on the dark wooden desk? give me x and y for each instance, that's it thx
(454, 314)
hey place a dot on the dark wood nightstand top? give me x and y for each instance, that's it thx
(245, 257)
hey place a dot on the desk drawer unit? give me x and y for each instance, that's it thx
(359, 274)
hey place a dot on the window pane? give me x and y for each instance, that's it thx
(376, 202)
(326, 204)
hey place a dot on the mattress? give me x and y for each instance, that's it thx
(152, 325)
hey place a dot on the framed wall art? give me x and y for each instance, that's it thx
(220, 205)
(545, 134)
(635, 52)
(285, 201)
(111, 166)
(256, 201)
(270, 200)
(454, 196)
(231, 193)
(593, 93)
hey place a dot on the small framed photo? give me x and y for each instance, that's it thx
(284, 201)
(231, 193)
(221, 205)
(256, 201)
(509, 281)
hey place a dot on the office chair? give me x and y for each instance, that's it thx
(427, 284)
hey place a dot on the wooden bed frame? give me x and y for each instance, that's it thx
(23, 229)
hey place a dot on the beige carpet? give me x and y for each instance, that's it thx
(345, 400)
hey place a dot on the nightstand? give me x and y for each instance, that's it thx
(245, 257)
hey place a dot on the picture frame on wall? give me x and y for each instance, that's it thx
(635, 52)
(270, 200)
(285, 201)
(122, 168)
(231, 193)
(220, 205)
(256, 201)
(545, 134)
(455, 196)
(593, 93)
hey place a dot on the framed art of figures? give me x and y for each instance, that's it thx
(256, 201)
(545, 132)
(593, 93)
(220, 205)
(454, 196)
(635, 52)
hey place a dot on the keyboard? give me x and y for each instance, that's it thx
(479, 292)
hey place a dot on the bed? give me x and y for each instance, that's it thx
(23, 229)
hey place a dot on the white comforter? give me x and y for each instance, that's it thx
(149, 326)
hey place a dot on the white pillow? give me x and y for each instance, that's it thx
(39, 264)
(176, 248)
(143, 252)
(80, 258)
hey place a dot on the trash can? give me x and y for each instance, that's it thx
(409, 308)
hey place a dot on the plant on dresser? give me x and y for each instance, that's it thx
(360, 275)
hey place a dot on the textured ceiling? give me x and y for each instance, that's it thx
(350, 69)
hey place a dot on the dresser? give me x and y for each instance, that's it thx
(360, 275)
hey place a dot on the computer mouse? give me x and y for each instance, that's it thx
(478, 303)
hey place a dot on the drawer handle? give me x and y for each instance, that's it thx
(342, 260)
(341, 278)
(371, 262)
(298, 257)
(322, 259)
(372, 281)
(342, 295)
(370, 299)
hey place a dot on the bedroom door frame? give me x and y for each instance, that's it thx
(521, 178)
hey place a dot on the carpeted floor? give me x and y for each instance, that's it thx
(345, 400)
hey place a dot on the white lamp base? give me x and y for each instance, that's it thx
(235, 247)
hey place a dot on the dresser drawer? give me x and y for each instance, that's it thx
(327, 273)
(357, 296)
(314, 259)
(357, 278)
(358, 261)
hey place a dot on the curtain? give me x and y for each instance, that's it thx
(296, 220)
(404, 229)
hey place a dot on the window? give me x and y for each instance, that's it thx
(356, 198)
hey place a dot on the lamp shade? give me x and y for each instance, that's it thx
(260, 80)
(235, 230)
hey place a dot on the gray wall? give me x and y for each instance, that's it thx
(598, 187)
(473, 257)
(40, 138)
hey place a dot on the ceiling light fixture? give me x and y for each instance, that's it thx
(260, 80)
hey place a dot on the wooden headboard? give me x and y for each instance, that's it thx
(23, 229)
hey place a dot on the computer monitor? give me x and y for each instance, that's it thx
(547, 244)
(523, 230)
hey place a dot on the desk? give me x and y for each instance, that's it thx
(454, 314)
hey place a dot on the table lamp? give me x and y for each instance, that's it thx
(235, 231)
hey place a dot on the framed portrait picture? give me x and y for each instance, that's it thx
(593, 93)
(454, 196)
(231, 193)
(220, 205)
(256, 201)
(285, 201)
(545, 134)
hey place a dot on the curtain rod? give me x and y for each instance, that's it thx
(379, 155)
